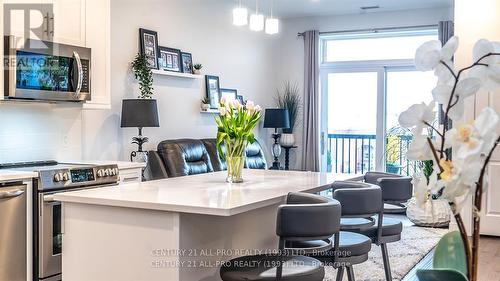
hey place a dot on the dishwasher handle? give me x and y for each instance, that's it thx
(11, 193)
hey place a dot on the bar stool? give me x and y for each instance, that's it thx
(381, 231)
(396, 190)
(304, 217)
(349, 248)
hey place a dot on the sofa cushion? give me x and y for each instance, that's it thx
(185, 157)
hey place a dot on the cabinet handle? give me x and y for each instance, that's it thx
(53, 26)
(11, 194)
(46, 21)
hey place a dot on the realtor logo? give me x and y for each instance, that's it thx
(32, 21)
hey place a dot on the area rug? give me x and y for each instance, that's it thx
(415, 243)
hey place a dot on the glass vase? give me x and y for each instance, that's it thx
(235, 166)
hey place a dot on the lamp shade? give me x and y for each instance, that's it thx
(139, 113)
(276, 118)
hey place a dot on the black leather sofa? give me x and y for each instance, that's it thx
(183, 157)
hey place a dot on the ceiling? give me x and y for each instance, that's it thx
(304, 8)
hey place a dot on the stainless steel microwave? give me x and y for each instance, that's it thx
(46, 71)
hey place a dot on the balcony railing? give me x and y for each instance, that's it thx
(355, 153)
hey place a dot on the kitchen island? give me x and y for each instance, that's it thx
(178, 228)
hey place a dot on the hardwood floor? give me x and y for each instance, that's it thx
(489, 261)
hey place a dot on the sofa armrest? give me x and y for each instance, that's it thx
(155, 169)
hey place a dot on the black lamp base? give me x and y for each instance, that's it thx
(276, 151)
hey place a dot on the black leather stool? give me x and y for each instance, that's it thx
(304, 217)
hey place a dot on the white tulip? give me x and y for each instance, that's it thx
(222, 111)
(236, 104)
(258, 108)
(223, 100)
(430, 54)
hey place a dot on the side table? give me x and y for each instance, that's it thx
(287, 156)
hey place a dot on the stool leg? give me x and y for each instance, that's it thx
(387, 265)
(350, 273)
(340, 273)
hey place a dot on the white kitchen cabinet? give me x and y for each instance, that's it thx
(65, 21)
(26, 16)
(98, 39)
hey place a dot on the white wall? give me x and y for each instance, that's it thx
(290, 58)
(243, 60)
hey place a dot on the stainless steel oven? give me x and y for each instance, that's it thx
(48, 215)
(42, 70)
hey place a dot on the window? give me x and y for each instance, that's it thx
(367, 80)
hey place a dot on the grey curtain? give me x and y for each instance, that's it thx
(310, 136)
(446, 30)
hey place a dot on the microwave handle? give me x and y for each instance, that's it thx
(79, 72)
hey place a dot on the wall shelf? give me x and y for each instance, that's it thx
(210, 111)
(176, 74)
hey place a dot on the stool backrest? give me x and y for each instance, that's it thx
(308, 217)
(360, 200)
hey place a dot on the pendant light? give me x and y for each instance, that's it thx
(272, 24)
(240, 16)
(257, 20)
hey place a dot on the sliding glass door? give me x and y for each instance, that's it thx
(367, 80)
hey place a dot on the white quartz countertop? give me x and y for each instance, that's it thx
(207, 194)
(14, 175)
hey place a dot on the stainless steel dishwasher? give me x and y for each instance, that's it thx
(13, 240)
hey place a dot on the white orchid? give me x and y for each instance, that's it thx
(417, 116)
(488, 69)
(465, 88)
(419, 149)
(431, 56)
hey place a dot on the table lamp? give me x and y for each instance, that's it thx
(276, 118)
(139, 113)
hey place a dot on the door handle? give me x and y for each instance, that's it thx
(53, 25)
(47, 22)
(322, 143)
(11, 194)
(79, 73)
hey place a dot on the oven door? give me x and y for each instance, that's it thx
(49, 237)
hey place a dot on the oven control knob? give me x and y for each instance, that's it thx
(107, 172)
(57, 177)
(112, 172)
(65, 176)
(116, 171)
(100, 173)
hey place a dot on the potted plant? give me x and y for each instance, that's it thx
(472, 144)
(289, 98)
(205, 104)
(197, 68)
(235, 124)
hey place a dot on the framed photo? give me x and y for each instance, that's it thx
(229, 94)
(241, 99)
(213, 90)
(187, 62)
(169, 59)
(149, 46)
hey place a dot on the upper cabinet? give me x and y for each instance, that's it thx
(62, 21)
(65, 21)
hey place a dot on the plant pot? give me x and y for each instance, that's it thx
(287, 140)
(392, 168)
(197, 71)
(433, 213)
(205, 106)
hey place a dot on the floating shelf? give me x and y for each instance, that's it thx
(210, 111)
(176, 74)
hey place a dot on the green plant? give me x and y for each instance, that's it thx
(289, 98)
(197, 66)
(205, 100)
(144, 75)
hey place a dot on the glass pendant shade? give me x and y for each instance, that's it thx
(240, 16)
(272, 26)
(257, 22)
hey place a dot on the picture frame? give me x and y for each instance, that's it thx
(169, 59)
(229, 94)
(241, 99)
(187, 62)
(212, 85)
(148, 41)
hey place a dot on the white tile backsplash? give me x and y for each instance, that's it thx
(37, 131)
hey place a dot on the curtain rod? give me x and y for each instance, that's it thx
(373, 30)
